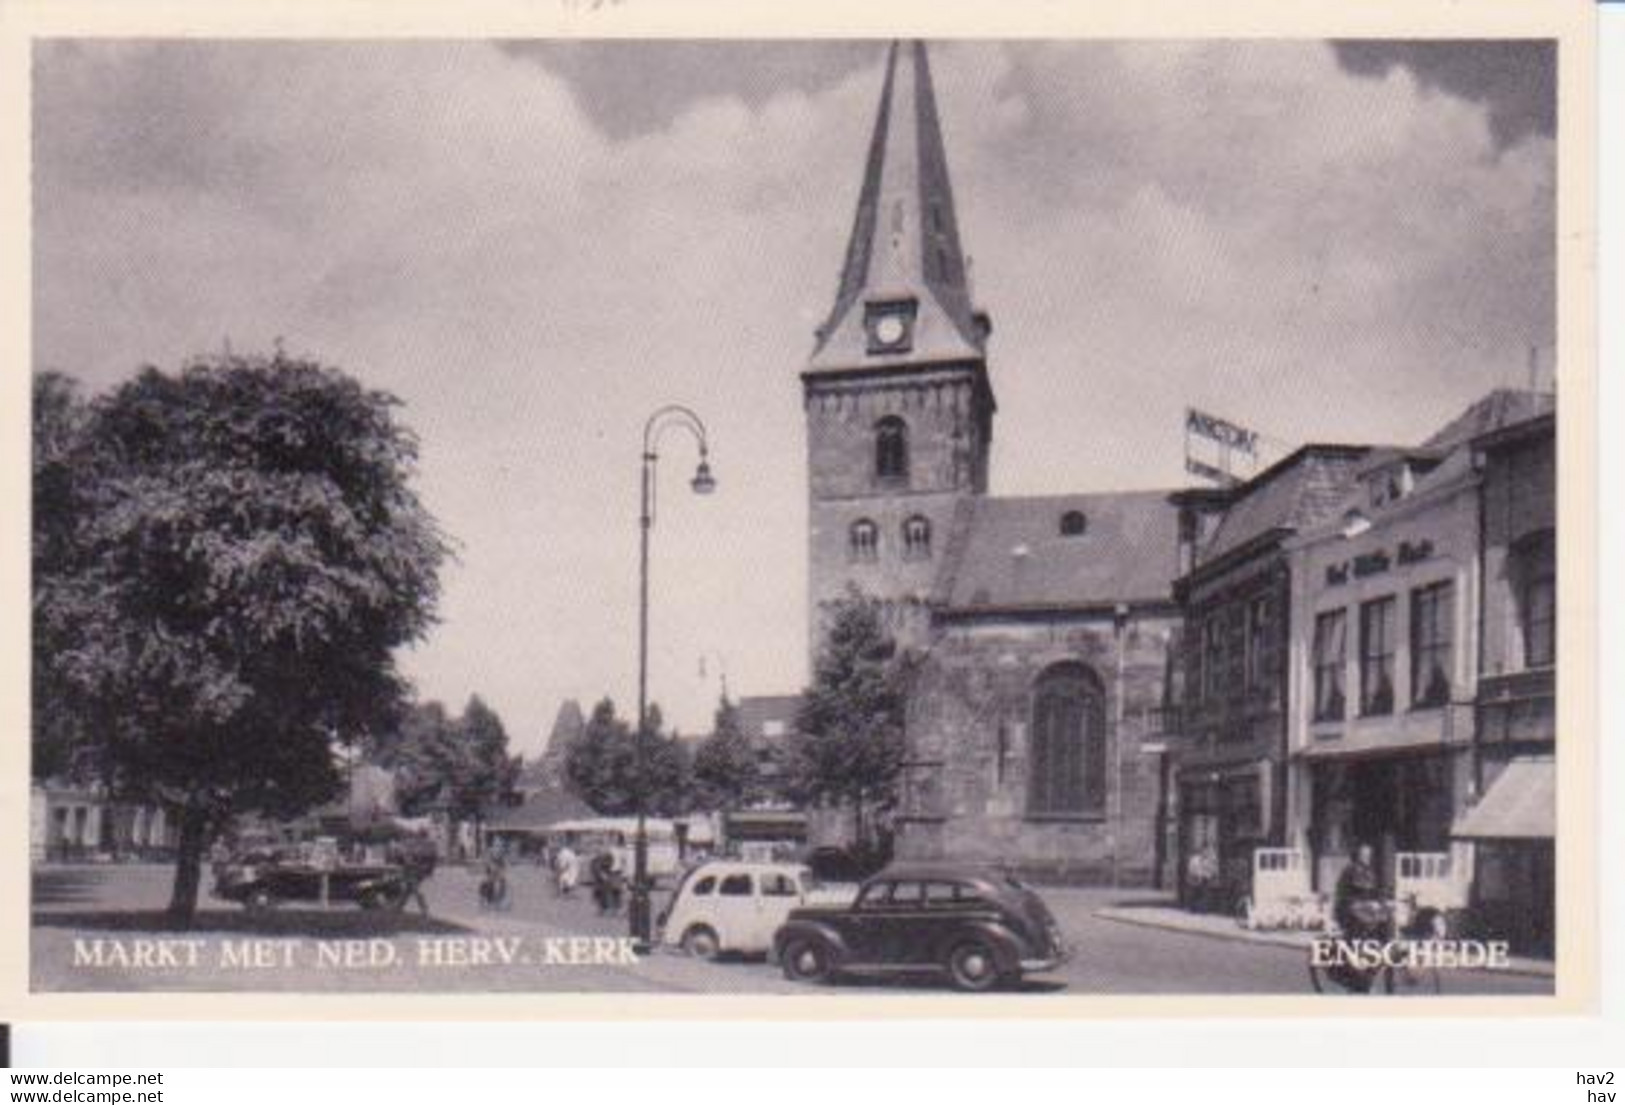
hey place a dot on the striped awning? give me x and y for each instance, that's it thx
(1520, 805)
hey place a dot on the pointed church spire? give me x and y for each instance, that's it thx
(903, 291)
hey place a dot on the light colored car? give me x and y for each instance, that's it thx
(736, 906)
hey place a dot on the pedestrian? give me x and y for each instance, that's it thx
(566, 869)
(417, 857)
(494, 887)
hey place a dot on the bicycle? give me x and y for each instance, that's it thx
(1401, 976)
(494, 893)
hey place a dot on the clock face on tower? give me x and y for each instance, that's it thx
(891, 326)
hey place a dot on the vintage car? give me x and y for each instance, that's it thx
(736, 906)
(264, 879)
(980, 927)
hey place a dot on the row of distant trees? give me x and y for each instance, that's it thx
(846, 747)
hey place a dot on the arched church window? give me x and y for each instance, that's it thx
(1068, 754)
(891, 449)
(917, 538)
(1073, 524)
(863, 542)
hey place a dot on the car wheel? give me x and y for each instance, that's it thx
(806, 961)
(973, 966)
(701, 943)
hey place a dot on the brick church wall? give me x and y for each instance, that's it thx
(969, 730)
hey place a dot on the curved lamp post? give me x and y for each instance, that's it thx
(668, 417)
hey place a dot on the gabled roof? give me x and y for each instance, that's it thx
(1500, 408)
(905, 234)
(1012, 555)
(1299, 490)
(1446, 456)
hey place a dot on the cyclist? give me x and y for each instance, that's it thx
(1361, 912)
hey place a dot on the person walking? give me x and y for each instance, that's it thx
(566, 869)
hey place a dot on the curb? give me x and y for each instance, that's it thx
(1524, 967)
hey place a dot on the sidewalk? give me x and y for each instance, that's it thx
(1149, 912)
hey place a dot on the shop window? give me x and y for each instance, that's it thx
(863, 542)
(1432, 630)
(1377, 657)
(917, 538)
(1330, 660)
(1068, 756)
(891, 449)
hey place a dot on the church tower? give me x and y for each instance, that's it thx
(898, 404)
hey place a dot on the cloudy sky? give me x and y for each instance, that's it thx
(536, 244)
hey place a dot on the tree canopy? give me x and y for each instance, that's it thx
(601, 765)
(230, 556)
(727, 775)
(848, 745)
(460, 765)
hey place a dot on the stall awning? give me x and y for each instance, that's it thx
(1520, 805)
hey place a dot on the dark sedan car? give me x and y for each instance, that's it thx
(982, 928)
(264, 880)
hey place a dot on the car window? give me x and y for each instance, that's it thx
(705, 885)
(735, 886)
(907, 893)
(875, 895)
(939, 895)
(779, 886)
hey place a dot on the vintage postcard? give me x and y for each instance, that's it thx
(553, 514)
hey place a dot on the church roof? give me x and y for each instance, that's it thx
(1013, 555)
(905, 235)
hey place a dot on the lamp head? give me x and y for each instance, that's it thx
(703, 482)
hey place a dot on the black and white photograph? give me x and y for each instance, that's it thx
(887, 518)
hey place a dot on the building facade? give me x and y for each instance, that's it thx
(77, 823)
(1236, 596)
(1038, 718)
(1512, 825)
(1384, 649)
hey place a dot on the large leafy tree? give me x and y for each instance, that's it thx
(727, 775)
(60, 745)
(601, 765)
(243, 556)
(848, 746)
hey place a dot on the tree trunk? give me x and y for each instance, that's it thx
(194, 838)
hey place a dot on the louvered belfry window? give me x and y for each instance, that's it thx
(891, 449)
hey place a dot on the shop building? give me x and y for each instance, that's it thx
(1512, 823)
(1384, 648)
(1235, 593)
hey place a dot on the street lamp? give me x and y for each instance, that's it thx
(703, 483)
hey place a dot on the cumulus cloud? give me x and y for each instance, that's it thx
(536, 245)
